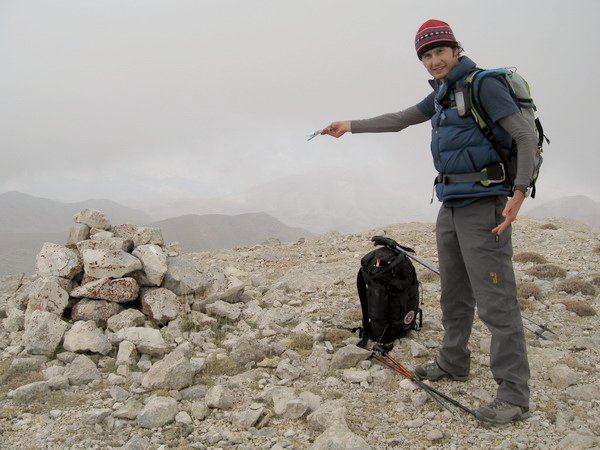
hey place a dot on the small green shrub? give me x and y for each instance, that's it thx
(575, 285)
(546, 271)
(525, 257)
(580, 308)
(549, 226)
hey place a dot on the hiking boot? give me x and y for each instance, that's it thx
(433, 372)
(500, 412)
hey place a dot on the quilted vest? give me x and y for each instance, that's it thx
(457, 143)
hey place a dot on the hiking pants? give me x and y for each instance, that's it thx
(476, 269)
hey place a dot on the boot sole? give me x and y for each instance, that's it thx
(516, 418)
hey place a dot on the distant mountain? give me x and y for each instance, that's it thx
(215, 231)
(18, 250)
(23, 213)
(578, 207)
(330, 199)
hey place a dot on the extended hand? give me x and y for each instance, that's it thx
(337, 129)
(510, 211)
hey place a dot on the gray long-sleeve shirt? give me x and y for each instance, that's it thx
(515, 124)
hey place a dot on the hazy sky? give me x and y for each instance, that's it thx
(128, 99)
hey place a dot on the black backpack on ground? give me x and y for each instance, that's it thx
(389, 295)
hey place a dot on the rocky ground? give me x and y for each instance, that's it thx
(248, 368)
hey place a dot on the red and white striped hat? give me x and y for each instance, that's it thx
(434, 33)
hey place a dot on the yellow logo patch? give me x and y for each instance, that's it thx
(494, 277)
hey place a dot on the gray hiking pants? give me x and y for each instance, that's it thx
(476, 269)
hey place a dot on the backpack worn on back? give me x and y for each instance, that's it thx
(521, 93)
(389, 296)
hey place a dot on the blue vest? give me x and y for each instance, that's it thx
(459, 146)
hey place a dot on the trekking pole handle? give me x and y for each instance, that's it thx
(409, 252)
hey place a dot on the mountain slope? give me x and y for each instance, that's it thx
(578, 207)
(216, 231)
(329, 199)
(23, 213)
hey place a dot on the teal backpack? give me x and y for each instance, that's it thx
(521, 93)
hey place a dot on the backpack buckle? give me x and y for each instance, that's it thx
(495, 174)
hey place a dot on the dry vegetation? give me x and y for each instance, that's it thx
(528, 289)
(525, 257)
(575, 285)
(549, 226)
(546, 271)
(300, 342)
(579, 307)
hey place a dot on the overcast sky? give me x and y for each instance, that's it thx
(144, 99)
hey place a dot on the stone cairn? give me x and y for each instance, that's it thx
(112, 288)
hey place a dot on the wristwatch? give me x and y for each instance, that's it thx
(523, 188)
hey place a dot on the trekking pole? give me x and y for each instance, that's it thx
(543, 327)
(419, 383)
(410, 375)
(438, 396)
(393, 245)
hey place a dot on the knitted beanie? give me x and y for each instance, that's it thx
(434, 33)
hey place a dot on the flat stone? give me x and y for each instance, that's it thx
(349, 356)
(147, 235)
(185, 276)
(43, 333)
(82, 371)
(78, 232)
(174, 371)
(126, 319)
(109, 263)
(146, 340)
(158, 412)
(120, 290)
(98, 311)
(160, 304)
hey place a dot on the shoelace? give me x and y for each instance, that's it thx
(498, 404)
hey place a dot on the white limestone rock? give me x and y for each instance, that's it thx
(224, 309)
(349, 356)
(97, 310)
(174, 371)
(147, 235)
(57, 261)
(126, 319)
(127, 354)
(108, 243)
(154, 262)
(85, 336)
(185, 276)
(109, 263)
(160, 304)
(43, 333)
(47, 294)
(158, 412)
(77, 233)
(93, 218)
(146, 340)
(562, 376)
(339, 436)
(219, 397)
(120, 290)
(82, 371)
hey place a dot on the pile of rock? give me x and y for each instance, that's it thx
(238, 360)
(113, 285)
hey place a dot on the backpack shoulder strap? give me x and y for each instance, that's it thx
(361, 286)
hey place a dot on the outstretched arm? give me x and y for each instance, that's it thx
(380, 124)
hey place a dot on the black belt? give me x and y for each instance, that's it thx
(492, 174)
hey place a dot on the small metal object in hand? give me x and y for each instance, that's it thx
(310, 136)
